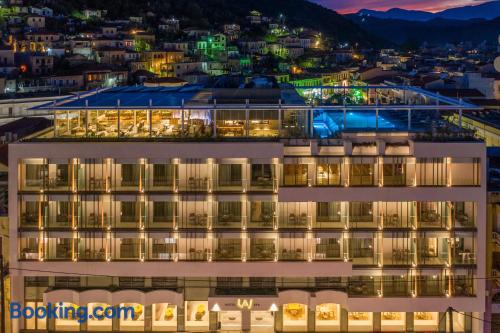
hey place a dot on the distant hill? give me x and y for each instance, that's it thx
(213, 13)
(398, 14)
(487, 11)
(436, 31)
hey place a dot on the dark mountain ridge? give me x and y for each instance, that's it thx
(487, 11)
(436, 31)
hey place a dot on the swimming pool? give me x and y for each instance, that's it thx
(328, 123)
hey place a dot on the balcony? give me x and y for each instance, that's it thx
(328, 249)
(262, 249)
(229, 215)
(262, 215)
(364, 286)
(227, 250)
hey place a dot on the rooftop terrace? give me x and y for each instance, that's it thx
(277, 112)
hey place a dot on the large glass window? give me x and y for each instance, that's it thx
(29, 248)
(362, 250)
(328, 172)
(35, 323)
(164, 214)
(426, 321)
(228, 249)
(134, 322)
(164, 176)
(34, 175)
(71, 322)
(230, 175)
(33, 214)
(164, 317)
(361, 172)
(102, 123)
(294, 317)
(262, 214)
(92, 246)
(99, 324)
(361, 215)
(394, 172)
(465, 171)
(328, 215)
(328, 317)
(263, 123)
(262, 247)
(393, 321)
(431, 172)
(166, 123)
(262, 176)
(328, 248)
(134, 123)
(231, 123)
(360, 321)
(432, 214)
(295, 174)
(70, 123)
(464, 214)
(229, 214)
(196, 315)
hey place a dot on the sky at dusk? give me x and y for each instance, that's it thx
(350, 6)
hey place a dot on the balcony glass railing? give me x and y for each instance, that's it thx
(201, 175)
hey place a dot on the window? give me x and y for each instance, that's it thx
(132, 282)
(361, 173)
(328, 174)
(295, 174)
(130, 174)
(230, 175)
(262, 175)
(164, 211)
(394, 173)
(431, 172)
(129, 212)
(36, 174)
(230, 211)
(67, 282)
(361, 211)
(229, 282)
(328, 211)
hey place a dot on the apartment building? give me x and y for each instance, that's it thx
(249, 210)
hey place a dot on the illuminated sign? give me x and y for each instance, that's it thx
(244, 303)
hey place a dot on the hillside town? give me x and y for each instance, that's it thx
(46, 53)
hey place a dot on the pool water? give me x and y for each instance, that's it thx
(327, 124)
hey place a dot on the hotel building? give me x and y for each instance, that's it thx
(250, 210)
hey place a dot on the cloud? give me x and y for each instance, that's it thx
(349, 6)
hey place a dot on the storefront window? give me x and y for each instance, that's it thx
(33, 323)
(99, 324)
(164, 317)
(360, 321)
(230, 320)
(426, 321)
(134, 322)
(70, 323)
(328, 317)
(262, 320)
(197, 315)
(393, 321)
(294, 317)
